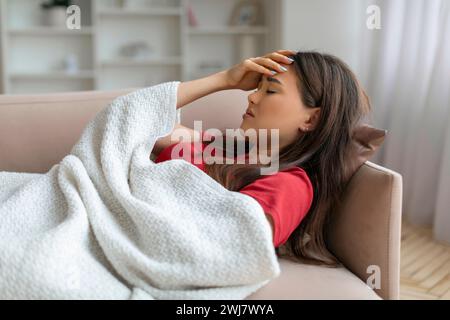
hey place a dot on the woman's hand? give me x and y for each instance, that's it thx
(247, 74)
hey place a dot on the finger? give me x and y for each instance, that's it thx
(269, 63)
(279, 58)
(253, 66)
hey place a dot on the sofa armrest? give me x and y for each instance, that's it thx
(365, 231)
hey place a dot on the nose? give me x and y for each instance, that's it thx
(253, 97)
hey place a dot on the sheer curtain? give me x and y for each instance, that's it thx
(405, 67)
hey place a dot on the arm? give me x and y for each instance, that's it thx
(245, 76)
(168, 140)
(187, 92)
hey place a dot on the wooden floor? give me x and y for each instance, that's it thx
(425, 265)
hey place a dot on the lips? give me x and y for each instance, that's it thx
(250, 113)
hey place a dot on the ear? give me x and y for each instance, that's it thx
(312, 118)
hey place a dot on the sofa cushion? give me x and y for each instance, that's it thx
(366, 140)
(300, 281)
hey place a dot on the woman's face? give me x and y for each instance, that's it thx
(277, 104)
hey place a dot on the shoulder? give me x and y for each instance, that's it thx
(292, 182)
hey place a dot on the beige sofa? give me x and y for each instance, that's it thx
(37, 131)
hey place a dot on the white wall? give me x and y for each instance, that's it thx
(323, 25)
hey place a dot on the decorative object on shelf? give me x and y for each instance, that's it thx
(247, 13)
(70, 64)
(55, 14)
(191, 16)
(136, 50)
(247, 46)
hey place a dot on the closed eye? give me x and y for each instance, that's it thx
(267, 91)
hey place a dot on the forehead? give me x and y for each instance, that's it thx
(287, 79)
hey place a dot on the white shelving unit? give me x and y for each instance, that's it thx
(160, 27)
(32, 53)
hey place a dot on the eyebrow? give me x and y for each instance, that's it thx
(270, 79)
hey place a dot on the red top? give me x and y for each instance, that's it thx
(286, 195)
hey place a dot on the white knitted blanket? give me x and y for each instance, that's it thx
(109, 223)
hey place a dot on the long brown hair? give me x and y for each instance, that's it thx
(323, 81)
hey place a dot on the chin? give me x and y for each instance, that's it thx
(243, 127)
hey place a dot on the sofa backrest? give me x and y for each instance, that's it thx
(37, 131)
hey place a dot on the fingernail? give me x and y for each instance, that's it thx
(283, 68)
(273, 72)
(291, 60)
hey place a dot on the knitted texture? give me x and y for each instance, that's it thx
(109, 223)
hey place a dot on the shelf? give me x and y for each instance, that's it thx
(127, 62)
(156, 11)
(225, 30)
(178, 49)
(52, 75)
(50, 31)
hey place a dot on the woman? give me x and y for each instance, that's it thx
(315, 101)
